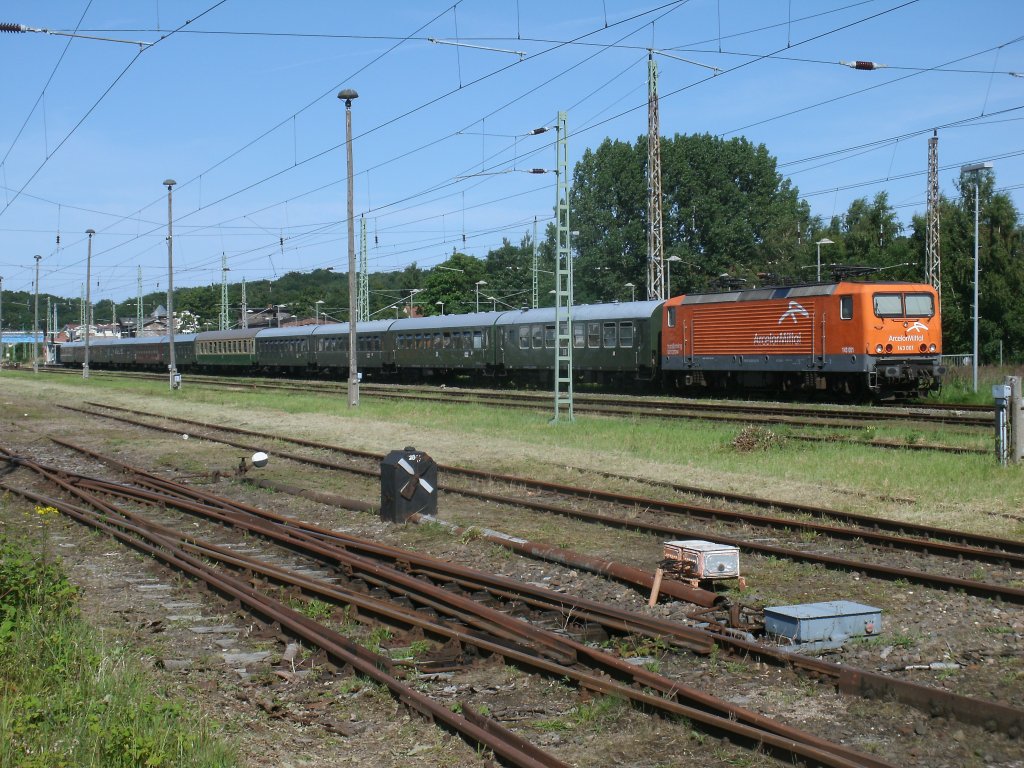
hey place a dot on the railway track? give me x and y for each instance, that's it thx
(968, 420)
(939, 550)
(436, 611)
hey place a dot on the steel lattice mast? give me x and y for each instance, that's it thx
(225, 322)
(138, 305)
(364, 274)
(563, 279)
(933, 261)
(655, 248)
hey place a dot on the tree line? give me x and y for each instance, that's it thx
(730, 219)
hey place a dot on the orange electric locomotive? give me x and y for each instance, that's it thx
(882, 339)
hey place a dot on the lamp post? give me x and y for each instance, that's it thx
(494, 303)
(632, 291)
(441, 305)
(974, 169)
(172, 366)
(823, 241)
(478, 284)
(1, 322)
(35, 326)
(353, 300)
(317, 310)
(88, 304)
(668, 267)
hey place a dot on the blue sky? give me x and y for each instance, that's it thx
(236, 101)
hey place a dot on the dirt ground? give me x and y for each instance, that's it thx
(283, 706)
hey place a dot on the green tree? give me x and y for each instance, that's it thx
(726, 209)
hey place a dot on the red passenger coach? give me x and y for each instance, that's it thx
(883, 339)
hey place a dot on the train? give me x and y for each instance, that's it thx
(845, 339)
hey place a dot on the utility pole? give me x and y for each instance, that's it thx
(933, 262)
(655, 247)
(35, 325)
(353, 297)
(172, 366)
(563, 278)
(1, 322)
(87, 304)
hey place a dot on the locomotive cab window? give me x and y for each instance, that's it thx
(671, 317)
(919, 305)
(888, 305)
(846, 307)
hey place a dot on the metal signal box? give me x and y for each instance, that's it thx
(827, 623)
(408, 484)
(698, 559)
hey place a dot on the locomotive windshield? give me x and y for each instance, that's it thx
(904, 305)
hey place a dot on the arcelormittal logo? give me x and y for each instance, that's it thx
(794, 309)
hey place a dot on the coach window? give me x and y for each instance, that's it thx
(538, 336)
(594, 335)
(626, 335)
(846, 307)
(609, 335)
(478, 339)
(888, 305)
(549, 336)
(579, 336)
(919, 305)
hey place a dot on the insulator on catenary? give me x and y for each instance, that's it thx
(6, 26)
(863, 64)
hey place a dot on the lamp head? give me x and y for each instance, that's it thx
(347, 95)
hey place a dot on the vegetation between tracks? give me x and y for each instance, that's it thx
(69, 697)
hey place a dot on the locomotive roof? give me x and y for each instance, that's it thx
(791, 291)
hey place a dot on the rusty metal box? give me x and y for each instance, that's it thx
(704, 559)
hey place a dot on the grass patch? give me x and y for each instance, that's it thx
(68, 699)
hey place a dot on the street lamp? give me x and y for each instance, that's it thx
(353, 299)
(632, 291)
(1, 322)
(35, 327)
(172, 367)
(88, 302)
(441, 305)
(317, 310)
(494, 303)
(975, 169)
(478, 284)
(668, 267)
(823, 241)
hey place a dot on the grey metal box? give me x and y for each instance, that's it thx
(833, 621)
(701, 559)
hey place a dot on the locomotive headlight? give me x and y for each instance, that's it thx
(878, 349)
(888, 347)
(932, 348)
